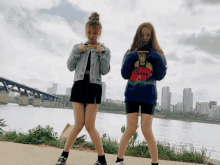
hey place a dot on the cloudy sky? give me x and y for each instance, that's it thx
(38, 36)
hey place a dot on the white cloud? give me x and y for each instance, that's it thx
(32, 5)
(56, 27)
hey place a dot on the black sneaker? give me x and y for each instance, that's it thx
(61, 161)
(99, 163)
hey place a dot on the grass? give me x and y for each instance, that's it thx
(39, 135)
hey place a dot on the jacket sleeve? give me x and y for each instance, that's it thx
(159, 64)
(128, 63)
(105, 57)
(74, 57)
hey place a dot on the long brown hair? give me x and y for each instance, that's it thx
(94, 23)
(138, 41)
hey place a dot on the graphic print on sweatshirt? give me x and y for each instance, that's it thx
(141, 74)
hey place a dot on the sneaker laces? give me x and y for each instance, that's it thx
(62, 159)
(97, 163)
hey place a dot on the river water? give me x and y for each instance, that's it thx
(175, 132)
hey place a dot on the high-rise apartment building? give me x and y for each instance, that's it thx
(191, 102)
(169, 103)
(205, 108)
(49, 91)
(212, 103)
(158, 107)
(54, 88)
(166, 99)
(68, 91)
(187, 100)
(198, 107)
(104, 86)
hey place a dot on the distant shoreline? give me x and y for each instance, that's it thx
(160, 116)
(164, 117)
(155, 116)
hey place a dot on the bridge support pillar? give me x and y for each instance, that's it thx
(23, 100)
(64, 104)
(37, 102)
(46, 103)
(52, 103)
(4, 96)
(56, 104)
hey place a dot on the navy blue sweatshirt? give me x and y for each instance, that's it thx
(141, 85)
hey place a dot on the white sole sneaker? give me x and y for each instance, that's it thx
(120, 163)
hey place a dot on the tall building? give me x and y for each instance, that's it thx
(158, 107)
(198, 108)
(49, 91)
(68, 91)
(54, 88)
(169, 102)
(191, 102)
(166, 99)
(187, 100)
(212, 103)
(213, 111)
(218, 111)
(205, 108)
(104, 86)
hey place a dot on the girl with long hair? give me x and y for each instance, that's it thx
(142, 65)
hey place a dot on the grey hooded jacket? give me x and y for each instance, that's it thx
(100, 64)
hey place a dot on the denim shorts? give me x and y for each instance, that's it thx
(146, 108)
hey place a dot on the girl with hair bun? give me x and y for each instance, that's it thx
(90, 60)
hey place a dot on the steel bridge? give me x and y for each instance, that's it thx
(40, 98)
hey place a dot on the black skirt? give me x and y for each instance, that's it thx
(85, 92)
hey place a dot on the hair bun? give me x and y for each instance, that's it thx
(93, 18)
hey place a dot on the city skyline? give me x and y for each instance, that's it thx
(165, 94)
(68, 90)
(186, 106)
